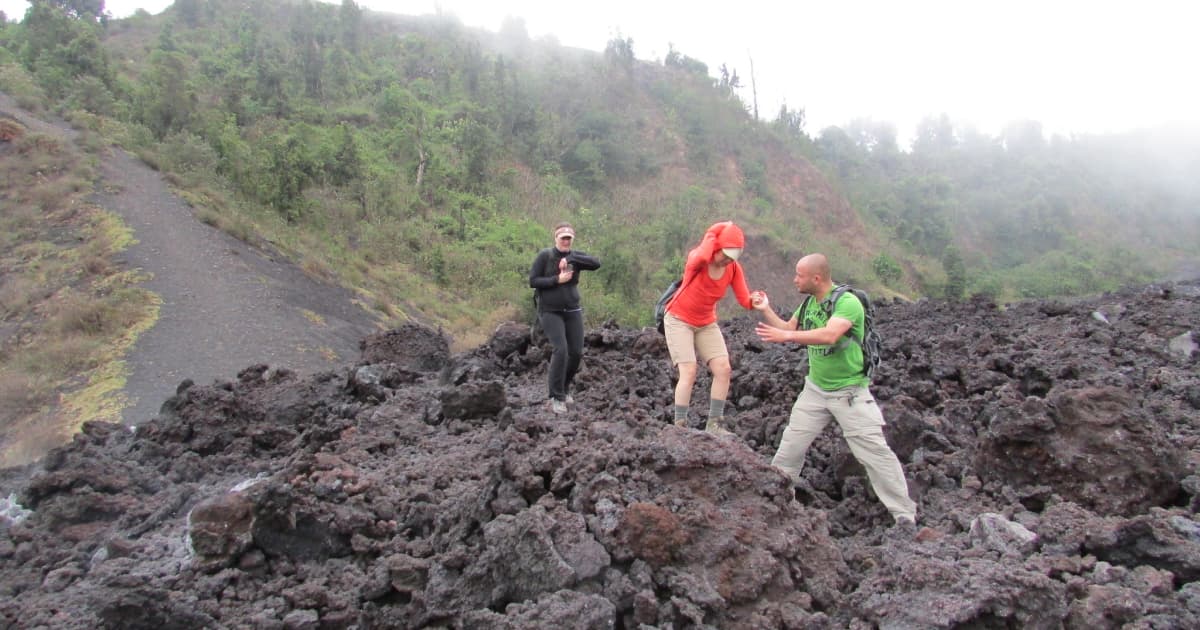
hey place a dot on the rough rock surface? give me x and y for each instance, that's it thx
(1053, 454)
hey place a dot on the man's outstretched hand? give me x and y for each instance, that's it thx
(769, 333)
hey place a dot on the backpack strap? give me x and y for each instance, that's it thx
(801, 311)
(827, 305)
(838, 292)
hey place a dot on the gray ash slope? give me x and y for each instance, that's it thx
(1052, 448)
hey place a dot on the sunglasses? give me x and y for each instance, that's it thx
(565, 238)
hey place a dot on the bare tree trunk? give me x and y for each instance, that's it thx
(420, 165)
(421, 155)
(361, 192)
(753, 85)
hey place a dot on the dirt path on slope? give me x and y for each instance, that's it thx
(225, 305)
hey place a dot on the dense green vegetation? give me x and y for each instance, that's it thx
(423, 163)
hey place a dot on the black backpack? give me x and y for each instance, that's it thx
(870, 343)
(660, 307)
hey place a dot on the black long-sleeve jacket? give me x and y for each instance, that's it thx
(543, 276)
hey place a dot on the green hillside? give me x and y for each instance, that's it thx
(422, 163)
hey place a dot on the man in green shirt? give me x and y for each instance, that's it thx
(836, 388)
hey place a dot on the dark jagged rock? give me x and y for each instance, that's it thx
(412, 346)
(473, 400)
(1093, 446)
(1053, 454)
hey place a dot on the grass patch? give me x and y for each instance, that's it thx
(316, 269)
(95, 316)
(30, 437)
(101, 398)
(315, 318)
(18, 83)
(235, 226)
(22, 393)
(70, 313)
(55, 357)
(16, 295)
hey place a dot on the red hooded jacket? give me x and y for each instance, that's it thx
(696, 302)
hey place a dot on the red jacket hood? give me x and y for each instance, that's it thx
(719, 236)
(728, 235)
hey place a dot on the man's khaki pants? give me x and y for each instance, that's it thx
(861, 421)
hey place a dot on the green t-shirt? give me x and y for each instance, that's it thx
(841, 365)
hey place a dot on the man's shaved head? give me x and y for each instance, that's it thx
(814, 264)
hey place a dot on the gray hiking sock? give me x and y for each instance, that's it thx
(681, 412)
(716, 408)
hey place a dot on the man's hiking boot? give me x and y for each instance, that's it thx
(681, 422)
(558, 406)
(715, 427)
(905, 528)
(803, 491)
(570, 400)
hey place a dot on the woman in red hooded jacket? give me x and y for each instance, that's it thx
(691, 326)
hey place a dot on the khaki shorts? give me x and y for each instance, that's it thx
(687, 342)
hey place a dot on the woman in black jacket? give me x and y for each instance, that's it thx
(555, 277)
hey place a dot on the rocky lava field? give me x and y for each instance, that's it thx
(1052, 448)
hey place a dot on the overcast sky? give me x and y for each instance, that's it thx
(1075, 66)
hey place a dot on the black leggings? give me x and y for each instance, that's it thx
(564, 329)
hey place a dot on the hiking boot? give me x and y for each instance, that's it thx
(905, 528)
(570, 400)
(714, 426)
(803, 490)
(558, 406)
(681, 422)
